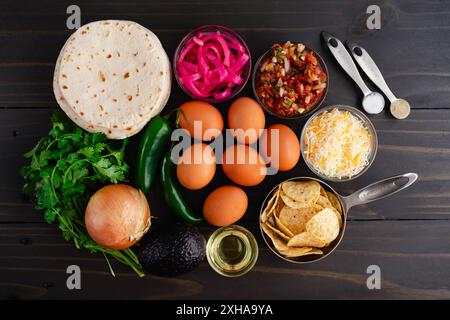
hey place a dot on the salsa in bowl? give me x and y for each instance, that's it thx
(290, 80)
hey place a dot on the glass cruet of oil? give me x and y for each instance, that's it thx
(232, 251)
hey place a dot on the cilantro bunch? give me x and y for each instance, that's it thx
(65, 169)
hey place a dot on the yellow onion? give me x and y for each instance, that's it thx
(117, 216)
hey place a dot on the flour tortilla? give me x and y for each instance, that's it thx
(112, 76)
(115, 133)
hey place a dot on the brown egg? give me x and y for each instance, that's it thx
(196, 166)
(225, 206)
(246, 114)
(243, 165)
(288, 147)
(210, 118)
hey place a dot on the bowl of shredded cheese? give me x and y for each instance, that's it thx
(339, 143)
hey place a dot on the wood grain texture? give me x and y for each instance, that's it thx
(407, 235)
(412, 30)
(413, 257)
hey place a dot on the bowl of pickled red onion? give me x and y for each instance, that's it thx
(212, 63)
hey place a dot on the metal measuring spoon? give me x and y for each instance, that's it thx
(399, 108)
(373, 102)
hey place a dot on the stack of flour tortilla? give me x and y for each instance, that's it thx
(112, 76)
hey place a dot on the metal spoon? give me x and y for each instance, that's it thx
(399, 108)
(373, 102)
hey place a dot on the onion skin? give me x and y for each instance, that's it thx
(117, 216)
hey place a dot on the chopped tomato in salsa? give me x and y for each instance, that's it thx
(291, 80)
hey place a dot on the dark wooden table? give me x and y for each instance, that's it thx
(407, 235)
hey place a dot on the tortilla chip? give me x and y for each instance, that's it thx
(268, 210)
(306, 239)
(324, 225)
(298, 252)
(278, 232)
(315, 251)
(323, 192)
(279, 205)
(288, 201)
(277, 242)
(338, 216)
(334, 201)
(324, 202)
(302, 192)
(295, 219)
(282, 227)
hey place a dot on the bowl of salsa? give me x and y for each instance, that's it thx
(290, 80)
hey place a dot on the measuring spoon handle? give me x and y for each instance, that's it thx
(370, 68)
(345, 60)
(380, 190)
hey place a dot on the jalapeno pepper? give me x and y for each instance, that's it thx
(151, 148)
(172, 193)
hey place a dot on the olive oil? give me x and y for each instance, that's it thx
(232, 251)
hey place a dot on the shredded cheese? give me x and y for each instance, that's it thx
(337, 144)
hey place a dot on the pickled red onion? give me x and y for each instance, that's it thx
(211, 65)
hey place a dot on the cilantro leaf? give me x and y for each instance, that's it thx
(88, 152)
(57, 130)
(98, 137)
(99, 147)
(50, 215)
(46, 198)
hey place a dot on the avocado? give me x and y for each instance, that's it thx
(173, 250)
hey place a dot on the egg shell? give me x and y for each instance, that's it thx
(245, 113)
(210, 118)
(288, 147)
(225, 205)
(196, 166)
(243, 165)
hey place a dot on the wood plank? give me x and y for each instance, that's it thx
(406, 235)
(413, 257)
(418, 144)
